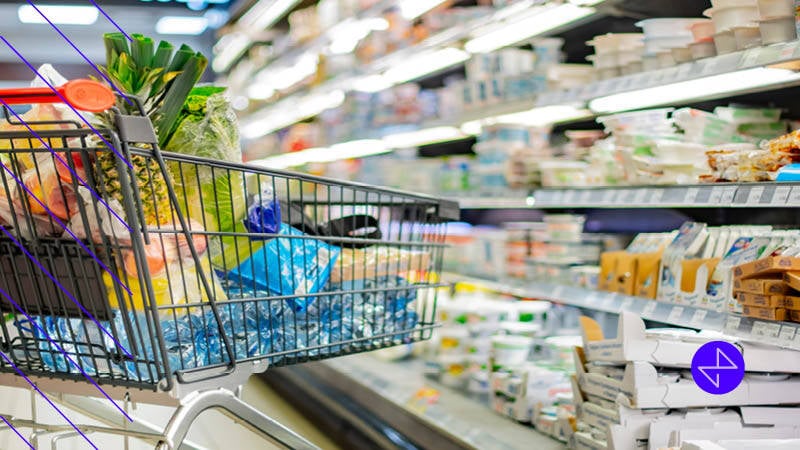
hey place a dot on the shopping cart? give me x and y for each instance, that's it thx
(168, 278)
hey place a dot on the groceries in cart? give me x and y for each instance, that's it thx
(188, 258)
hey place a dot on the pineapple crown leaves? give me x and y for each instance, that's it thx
(160, 77)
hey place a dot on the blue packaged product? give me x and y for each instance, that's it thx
(295, 265)
(264, 215)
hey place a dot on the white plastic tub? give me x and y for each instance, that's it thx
(737, 16)
(604, 60)
(746, 37)
(511, 350)
(665, 59)
(730, 3)
(608, 73)
(775, 8)
(656, 45)
(681, 54)
(675, 152)
(613, 42)
(666, 27)
(702, 29)
(725, 42)
(703, 49)
(778, 29)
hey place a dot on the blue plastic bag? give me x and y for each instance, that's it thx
(292, 265)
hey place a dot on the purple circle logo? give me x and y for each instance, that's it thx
(718, 367)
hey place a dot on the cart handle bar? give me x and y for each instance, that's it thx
(82, 94)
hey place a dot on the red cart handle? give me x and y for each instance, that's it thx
(86, 95)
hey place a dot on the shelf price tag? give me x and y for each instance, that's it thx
(684, 70)
(732, 324)
(754, 196)
(787, 335)
(710, 66)
(781, 195)
(608, 196)
(650, 308)
(656, 195)
(794, 197)
(675, 315)
(698, 317)
(585, 197)
(640, 196)
(691, 195)
(766, 329)
(750, 57)
(627, 304)
(569, 197)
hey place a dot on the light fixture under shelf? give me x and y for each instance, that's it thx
(536, 117)
(265, 14)
(290, 111)
(423, 137)
(538, 20)
(425, 64)
(347, 150)
(696, 89)
(58, 14)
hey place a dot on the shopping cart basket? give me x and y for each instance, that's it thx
(163, 275)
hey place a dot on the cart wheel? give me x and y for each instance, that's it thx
(163, 446)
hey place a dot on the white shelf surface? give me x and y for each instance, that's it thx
(452, 413)
(783, 334)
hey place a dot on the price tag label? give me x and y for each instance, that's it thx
(624, 196)
(569, 197)
(710, 66)
(754, 196)
(750, 57)
(787, 335)
(772, 330)
(650, 308)
(585, 196)
(691, 195)
(781, 195)
(593, 299)
(609, 301)
(698, 317)
(640, 196)
(794, 197)
(608, 197)
(787, 50)
(684, 71)
(732, 324)
(742, 194)
(759, 329)
(675, 315)
(656, 196)
(627, 304)
(722, 195)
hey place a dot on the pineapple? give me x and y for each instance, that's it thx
(149, 179)
(160, 79)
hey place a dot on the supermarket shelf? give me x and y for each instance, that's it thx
(663, 312)
(721, 195)
(783, 334)
(451, 414)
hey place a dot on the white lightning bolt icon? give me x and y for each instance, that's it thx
(719, 367)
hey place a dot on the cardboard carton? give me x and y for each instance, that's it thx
(792, 279)
(760, 300)
(647, 267)
(791, 302)
(607, 279)
(764, 313)
(768, 286)
(766, 266)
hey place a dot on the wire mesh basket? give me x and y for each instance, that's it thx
(139, 267)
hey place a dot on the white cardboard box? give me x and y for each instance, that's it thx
(584, 441)
(755, 423)
(641, 388)
(633, 344)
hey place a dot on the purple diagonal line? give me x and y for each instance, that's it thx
(111, 20)
(66, 291)
(72, 44)
(64, 352)
(18, 433)
(64, 226)
(30, 66)
(74, 174)
(33, 385)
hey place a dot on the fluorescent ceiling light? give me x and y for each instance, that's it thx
(58, 14)
(260, 91)
(288, 112)
(265, 14)
(425, 64)
(186, 25)
(347, 150)
(696, 89)
(229, 48)
(540, 20)
(371, 84)
(286, 77)
(345, 36)
(422, 137)
(411, 9)
(536, 117)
